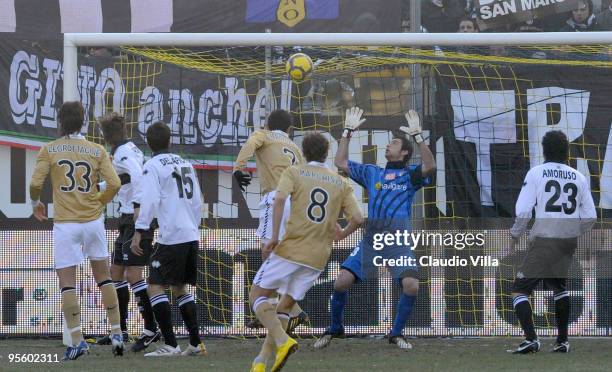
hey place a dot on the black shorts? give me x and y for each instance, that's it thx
(122, 253)
(547, 260)
(174, 264)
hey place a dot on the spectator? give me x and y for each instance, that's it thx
(582, 18)
(604, 19)
(467, 25)
(441, 15)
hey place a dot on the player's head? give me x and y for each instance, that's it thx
(279, 120)
(113, 128)
(399, 149)
(158, 136)
(315, 147)
(71, 115)
(555, 146)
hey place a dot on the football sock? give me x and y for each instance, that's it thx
(163, 315)
(268, 347)
(109, 299)
(139, 289)
(187, 305)
(295, 310)
(266, 313)
(123, 297)
(522, 308)
(72, 314)
(338, 302)
(404, 308)
(562, 312)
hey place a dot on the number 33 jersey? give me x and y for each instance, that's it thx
(317, 196)
(562, 200)
(170, 191)
(75, 166)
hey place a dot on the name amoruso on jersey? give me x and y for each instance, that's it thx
(559, 174)
(430, 261)
(411, 239)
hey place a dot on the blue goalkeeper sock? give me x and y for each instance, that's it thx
(404, 308)
(338, 301)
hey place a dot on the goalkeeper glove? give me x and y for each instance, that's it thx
(244, 179)
(414, 126)
(353, 120)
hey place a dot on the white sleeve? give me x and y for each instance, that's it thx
(196, 200)
(587, 212)
(524, 206)
(134, 169)
(149, 201)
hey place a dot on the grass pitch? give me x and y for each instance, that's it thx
(359, 354)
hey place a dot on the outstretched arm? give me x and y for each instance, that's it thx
(414, 130)
(352, 121)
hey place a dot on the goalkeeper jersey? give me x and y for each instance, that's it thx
(127, 161)
(562, 200)
(274, 151)
(170, 192)
(75, 166)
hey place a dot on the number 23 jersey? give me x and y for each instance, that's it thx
(561, 197)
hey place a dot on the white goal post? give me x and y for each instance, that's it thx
(74, 40)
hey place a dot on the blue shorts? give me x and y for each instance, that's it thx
(363, 270)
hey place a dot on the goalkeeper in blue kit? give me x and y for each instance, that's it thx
(390, 194)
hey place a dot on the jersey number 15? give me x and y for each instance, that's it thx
(183, 182)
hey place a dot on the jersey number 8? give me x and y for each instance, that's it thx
(318, 200)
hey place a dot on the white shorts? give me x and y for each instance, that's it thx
(286, 277)
(75, 241)
(266, 209)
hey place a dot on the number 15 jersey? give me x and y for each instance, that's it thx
(562, 200)
(170, 191)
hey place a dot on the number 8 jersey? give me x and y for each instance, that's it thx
(562, 199)
(75, 165)
(169, 190)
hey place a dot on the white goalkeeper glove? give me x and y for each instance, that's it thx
(414, 126)
(352, 121)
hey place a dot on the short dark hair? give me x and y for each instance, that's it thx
(158, 136)
(315, 147)
(469, 19)
(280, 120)
(406, 144)
(555, 146)
(113, 128)
(71, 115)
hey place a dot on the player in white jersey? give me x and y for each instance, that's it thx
(171, 193)
(127, 160)
(564, 210)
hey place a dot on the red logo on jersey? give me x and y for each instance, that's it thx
(389, 177)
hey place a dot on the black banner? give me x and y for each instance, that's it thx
(504, 12)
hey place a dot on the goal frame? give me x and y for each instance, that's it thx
(74, 40)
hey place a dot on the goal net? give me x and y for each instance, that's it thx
(485, 110)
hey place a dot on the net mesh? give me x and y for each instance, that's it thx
(214, 98)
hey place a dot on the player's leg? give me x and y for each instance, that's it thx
(562, 313)
(67, 255)
(268, 347)
(410, 289)
(350, 272)
(134, 275)
(101, 273)
(162, 270)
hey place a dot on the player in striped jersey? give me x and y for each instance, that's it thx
(127, 160)
(390, 194)
(274, 152)
(564, 210)
(318, 197)
(75, 165)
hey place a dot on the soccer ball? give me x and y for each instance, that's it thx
(299, 66)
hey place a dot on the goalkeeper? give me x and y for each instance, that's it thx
(390, 194)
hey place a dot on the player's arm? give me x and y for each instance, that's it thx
(524, 206)
(134, 170)
(352, 121)
(414, 130)
(255, 141)
(587, 212)
(286, 185)
(36, 183)
(149, 202)
(108, 174)
(353, 213)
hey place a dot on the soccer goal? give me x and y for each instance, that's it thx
(486, 100)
